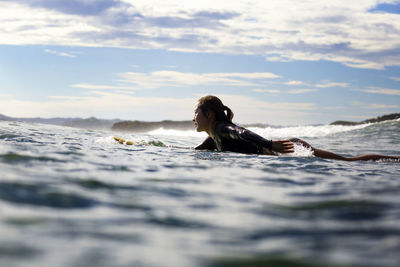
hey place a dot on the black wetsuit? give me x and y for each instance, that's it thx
(230, 137)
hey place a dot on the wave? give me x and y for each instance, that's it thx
(272, 132)
(42, 195)
(304, 131)
(19, 158)
(168, 136)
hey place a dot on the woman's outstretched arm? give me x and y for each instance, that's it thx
(330, 155)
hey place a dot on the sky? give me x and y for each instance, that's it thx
(279, 62)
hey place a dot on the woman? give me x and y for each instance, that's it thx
(223, 135)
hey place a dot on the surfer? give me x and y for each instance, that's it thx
(214, 118)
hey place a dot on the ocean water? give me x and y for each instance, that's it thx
(73, 197)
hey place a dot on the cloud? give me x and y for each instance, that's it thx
(331, 84)
(204, 19)
(291, 84)
(397, 79)
(24, 25)
(168, 78)
(301, 91)
(279, 30)
(270, 91)
(382, 91)
(130, 81)
(294, 83)
(62, 54)
(290, 92)
(279, 58)
(384, 106)
(333, 108)
(5, 96)
(253, 75)
(102, 87)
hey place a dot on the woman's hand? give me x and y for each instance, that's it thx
(282, 146)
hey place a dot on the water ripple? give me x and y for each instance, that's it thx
(42, 195)
(19, 158)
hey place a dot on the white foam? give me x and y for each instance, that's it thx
(169, 132)
(302, 151)
(105, 140)
(272, 132)
(304, 131)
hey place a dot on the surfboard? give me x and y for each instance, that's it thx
(123, 141)
(130, 143)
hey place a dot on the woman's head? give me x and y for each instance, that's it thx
(210, 109)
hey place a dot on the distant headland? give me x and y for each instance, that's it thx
(144, 126)
(388, 117)
(91, 123)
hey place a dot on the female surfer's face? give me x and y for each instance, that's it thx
(200, 120)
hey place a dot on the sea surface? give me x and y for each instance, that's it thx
(74, 197)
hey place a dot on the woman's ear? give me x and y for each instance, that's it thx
(210, 115)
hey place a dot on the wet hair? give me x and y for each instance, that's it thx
(212, 103)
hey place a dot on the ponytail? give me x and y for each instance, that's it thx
(214, 104)
(229, 113)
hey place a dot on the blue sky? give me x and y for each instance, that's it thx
(277, 62)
